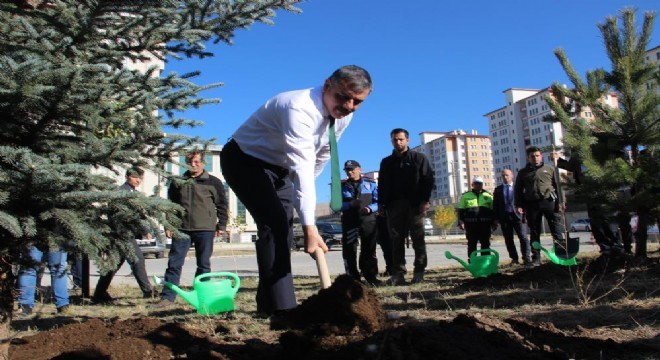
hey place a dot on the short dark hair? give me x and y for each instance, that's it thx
(191, 154)
(135, 171)
(357, 78)
(399, 130)
(533, 149)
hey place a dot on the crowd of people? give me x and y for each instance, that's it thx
(270, 163)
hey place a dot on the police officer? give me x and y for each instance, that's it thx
(475, 215)
(358, 218)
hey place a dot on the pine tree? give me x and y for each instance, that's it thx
(602, 144)
(69, 106)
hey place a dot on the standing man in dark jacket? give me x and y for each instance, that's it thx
(475, 215)
(358, 217)
(535, 196)
(133, 180)
(205, 203)
(405, 185)
(510, 219)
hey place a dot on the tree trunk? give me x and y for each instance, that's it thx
(7, 279)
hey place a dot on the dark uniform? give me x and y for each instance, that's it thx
(360, 221)
(534, 191)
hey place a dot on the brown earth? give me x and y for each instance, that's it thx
(348, 321)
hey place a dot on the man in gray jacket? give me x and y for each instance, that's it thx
(205, 217)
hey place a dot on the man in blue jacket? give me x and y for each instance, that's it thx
(358, 218)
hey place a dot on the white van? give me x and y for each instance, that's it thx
(428, 226)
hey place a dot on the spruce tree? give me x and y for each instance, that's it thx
(619, 147)
(70, 112)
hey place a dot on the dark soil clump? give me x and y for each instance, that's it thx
(346, 307)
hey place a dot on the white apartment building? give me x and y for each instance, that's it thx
(456, 157)
(519, 125)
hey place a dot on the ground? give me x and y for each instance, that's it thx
(604, 308)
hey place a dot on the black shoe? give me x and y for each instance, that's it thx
(103, 298)
(395, 280)
(372, 281)
(63, 310)
(280, 320)
(24, 312)
(418, 277)
(151, 294)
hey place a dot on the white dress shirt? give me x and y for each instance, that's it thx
(291, 131)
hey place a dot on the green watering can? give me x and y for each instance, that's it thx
(209, 297)
(561, 255)
(480, 265)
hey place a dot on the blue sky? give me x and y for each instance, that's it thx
(436, 65)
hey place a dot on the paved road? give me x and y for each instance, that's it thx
(303, 264)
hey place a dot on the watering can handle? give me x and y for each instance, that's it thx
(233, 276)
(489, 251)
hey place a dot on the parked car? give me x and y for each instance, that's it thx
(580, 225)
(330, 232)
(428, 226)
(153, 246)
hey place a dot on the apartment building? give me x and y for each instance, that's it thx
(519, 125)
(456, 157)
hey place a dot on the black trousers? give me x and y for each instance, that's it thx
(477, 233)
(365, 228)
(384, 241)
(535, 212)
(137, 267)
(404, 220)
(267, 193)
(509, 225)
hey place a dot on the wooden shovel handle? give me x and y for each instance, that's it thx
(322, 267)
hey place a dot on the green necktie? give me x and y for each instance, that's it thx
(335, 183)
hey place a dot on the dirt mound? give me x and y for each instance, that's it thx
(140, 338)
(347, 306)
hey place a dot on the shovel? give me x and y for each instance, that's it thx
(322, 268)
(562, 253)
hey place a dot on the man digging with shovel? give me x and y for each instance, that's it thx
(271, 162)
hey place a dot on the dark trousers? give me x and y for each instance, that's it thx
(625, 230)
(384, 241)
(267, 193)
(76, 270)
(509, 225)
(404, 220)
(364, 227)
(477, 233)
(535, 212)
(137, 267)
(203, 241)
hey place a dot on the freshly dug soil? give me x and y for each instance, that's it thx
(347, 321)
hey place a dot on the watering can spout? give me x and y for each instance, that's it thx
(449, 256)
(189, 296)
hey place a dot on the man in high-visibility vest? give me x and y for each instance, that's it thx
(475, 215)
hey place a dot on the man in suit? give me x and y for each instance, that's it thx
(510, 219)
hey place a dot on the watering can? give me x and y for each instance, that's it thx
(210, 297)
(561, 255)
(480, 265)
